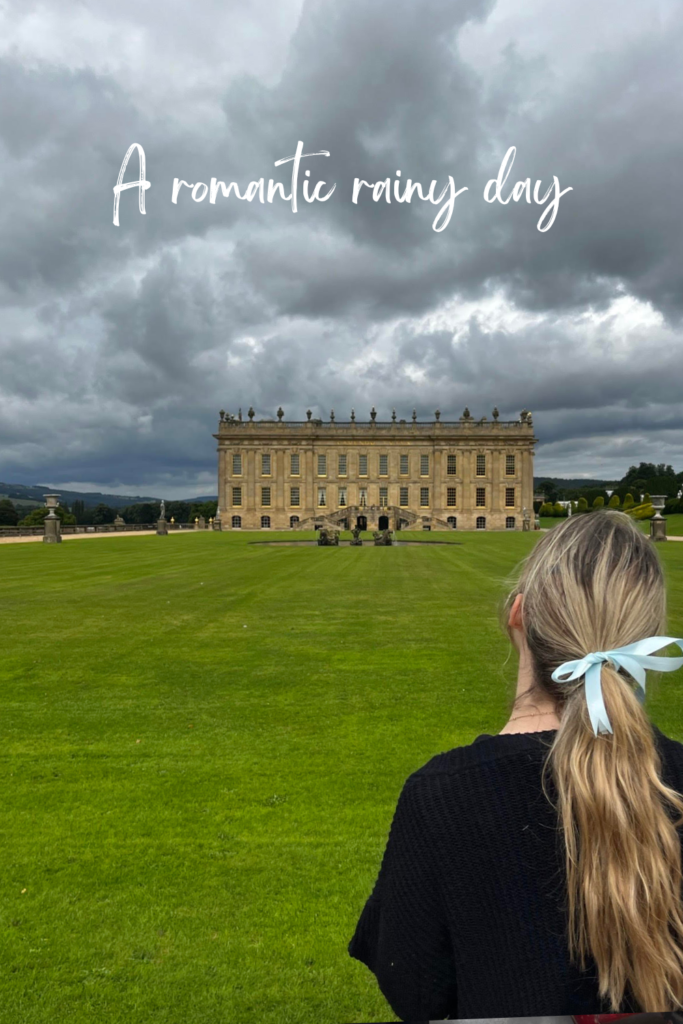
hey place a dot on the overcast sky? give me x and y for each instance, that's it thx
(119, 345)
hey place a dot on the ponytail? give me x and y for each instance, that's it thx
(595, 583)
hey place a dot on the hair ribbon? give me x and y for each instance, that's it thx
(633, 658)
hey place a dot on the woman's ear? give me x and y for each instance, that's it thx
(515, 618)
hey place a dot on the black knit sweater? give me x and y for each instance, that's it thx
(467, 918)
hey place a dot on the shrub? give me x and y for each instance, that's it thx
(628, 502)
(559, 510)
(599, 502)
(614, 501)
(644, 511)
(582, 505)
(38, 516)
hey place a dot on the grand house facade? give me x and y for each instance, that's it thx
(470, 474)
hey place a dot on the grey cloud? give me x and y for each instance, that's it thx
(148, 329)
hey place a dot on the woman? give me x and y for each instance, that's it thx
(539, 871)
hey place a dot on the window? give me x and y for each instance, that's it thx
(424, 465)
(363, 497)
(383, 497)
(481, 522)
(342, 465)
(342, 496)
(452, 465)
(384, 465)
(509, 465)
(452, 522)
(510, 523)
(450, 497)
(293, 521)
(362, 465)
(480, 501)
(294, 464)
(481, 465)
(265, 496)
(404, 465)
(265, 465)
(403, 497)
(322, 465)
(295, 497)
(322, 497)
(265, 522)
(237, 522)
(424, 497)
(237, 495)
(509, 497)
(237, 465)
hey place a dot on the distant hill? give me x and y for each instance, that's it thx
(569, 483)
(31, 496)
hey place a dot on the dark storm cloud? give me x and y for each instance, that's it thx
(132, 338)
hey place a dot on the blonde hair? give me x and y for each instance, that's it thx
(595, 583)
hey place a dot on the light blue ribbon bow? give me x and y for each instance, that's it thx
(634, 659)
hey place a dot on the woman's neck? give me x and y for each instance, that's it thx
(529, 715)
(530, 720)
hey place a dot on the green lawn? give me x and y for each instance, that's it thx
(203, 744)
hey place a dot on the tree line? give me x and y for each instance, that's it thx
(79, 515)
(632, 491)
(641, 510)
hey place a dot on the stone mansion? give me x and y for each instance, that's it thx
(470, 474)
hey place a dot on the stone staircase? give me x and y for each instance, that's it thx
(372, 513)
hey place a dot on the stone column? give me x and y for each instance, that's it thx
(467, 484)
(250, 511)
(438, 497)
(308, 490)
(527, 479)
(280, 503)
(658, 528)
(497, 497)
(53, 524)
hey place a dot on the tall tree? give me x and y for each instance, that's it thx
(8, 514)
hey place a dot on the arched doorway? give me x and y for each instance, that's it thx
(265, 522)
(362, 522)
(383, 523)
(452, 522)
(237, 522)
(293, 521)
